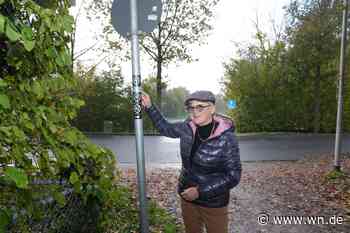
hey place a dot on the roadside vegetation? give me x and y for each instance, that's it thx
(287, 81)
(52, 178)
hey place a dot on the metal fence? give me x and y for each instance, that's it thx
(75, 216)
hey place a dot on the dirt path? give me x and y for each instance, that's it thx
(283, 189)
(273, 188)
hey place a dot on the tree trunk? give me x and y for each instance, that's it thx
(159, 69)
(317, 99)
(159, 84)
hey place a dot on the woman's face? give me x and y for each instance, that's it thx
(201, 112)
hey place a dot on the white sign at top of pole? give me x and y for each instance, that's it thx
(149, 13)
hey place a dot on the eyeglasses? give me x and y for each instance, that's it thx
(198, 108)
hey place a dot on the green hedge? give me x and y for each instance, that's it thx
(37, 142)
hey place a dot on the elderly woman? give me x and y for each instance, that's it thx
(211, 163)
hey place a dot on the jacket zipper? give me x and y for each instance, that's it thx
(191, 156)
(193, 136)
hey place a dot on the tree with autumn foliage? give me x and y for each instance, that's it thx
(184, 23)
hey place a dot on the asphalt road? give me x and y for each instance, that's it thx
(163, 150)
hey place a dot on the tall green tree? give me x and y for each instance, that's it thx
(184, 23)
(313, 35)
(174, 102)
(289, 84)
(106, 99)
(257, 81)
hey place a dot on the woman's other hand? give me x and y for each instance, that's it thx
(190, 194)
(145, 100)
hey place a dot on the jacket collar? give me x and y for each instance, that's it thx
(224, 123)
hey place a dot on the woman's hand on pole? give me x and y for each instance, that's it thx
(145, 100)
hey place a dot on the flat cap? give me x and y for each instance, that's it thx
(206, 96)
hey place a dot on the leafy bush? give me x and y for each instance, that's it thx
(52, 178)
(120, 214)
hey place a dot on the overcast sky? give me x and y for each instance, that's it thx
(233, 22)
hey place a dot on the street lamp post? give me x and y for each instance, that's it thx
(338, 135)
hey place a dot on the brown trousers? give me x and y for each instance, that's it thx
(195, 217)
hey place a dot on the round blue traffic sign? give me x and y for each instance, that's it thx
(231, 104)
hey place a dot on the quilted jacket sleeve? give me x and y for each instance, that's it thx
(232, 168)
(172, 130)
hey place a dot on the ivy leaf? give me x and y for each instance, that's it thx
(93, 149)
(80, 103)
(52, 127)
(29, 125)
(71, 137)
(67, 56)
(169, 228)
(4, 216)
(59, 61)
(18, 176)
(38, 90)
(4, 101)
(19, 134)
(63, 59)
(51, 52)
(28, 45)
(63, 158)
(27, 33)
(68, 23)
(73, 178)
(6, 131)
(60, 198)
(2, 23)
(11, 32)
(3, 83)
(27, 36)
(105, 182)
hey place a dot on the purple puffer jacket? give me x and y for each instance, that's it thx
(215, 168)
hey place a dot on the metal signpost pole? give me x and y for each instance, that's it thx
(129, 17)
(337, 149)
(136, 84)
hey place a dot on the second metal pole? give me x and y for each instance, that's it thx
(136, 83)
(338, 135)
